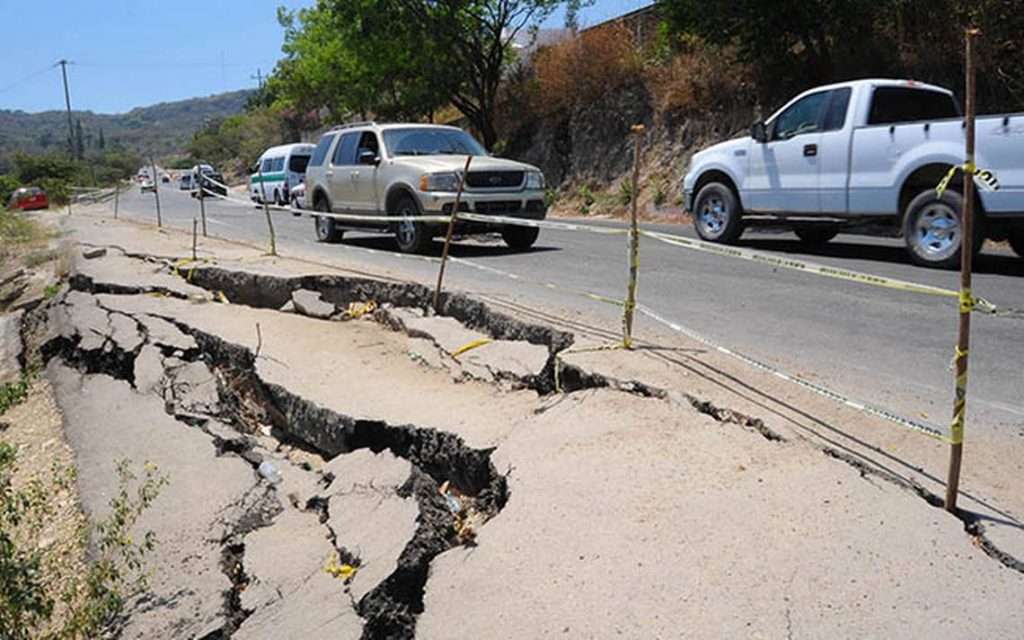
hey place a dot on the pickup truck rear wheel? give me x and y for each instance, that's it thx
(520, 237)
(816, 236)
(717, 215)
(1016, 238)
(326, 229)
(932, 229)
(411, 237)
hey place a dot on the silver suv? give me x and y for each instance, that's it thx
(415, 169)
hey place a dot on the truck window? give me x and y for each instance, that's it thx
(345, 153)
(297, 164)
(838, 105)
(891, 105)
(320, 153)
(800, 117)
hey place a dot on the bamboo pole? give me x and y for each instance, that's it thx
(634, 246)
(266, 211)
(966, 300)
(451, 229)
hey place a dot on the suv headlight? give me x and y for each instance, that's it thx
(534, 180)
(439, 182)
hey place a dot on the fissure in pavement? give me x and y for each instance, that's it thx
(390, 609)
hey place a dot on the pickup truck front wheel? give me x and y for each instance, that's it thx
(716, 214)
(933, 232)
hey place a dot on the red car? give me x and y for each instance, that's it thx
(28, 198)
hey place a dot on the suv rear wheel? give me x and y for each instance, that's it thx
(326, 229)
(411, 237)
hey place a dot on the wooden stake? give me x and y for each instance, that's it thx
(266, 211)
(193, 239)
(117, 192)
(202, 209)
(156, 192)
(966, 303)
(451, 229)
(634, 246)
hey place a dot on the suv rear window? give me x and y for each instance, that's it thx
(345, 153)
(892, 105)
(320, 153)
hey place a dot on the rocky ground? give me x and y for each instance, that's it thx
(340, 469)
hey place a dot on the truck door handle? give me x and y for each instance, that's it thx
(810, 150)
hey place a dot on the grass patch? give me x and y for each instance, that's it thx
(11, 393)
(17, 228)
(37, 258)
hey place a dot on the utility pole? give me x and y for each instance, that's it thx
(258, 78)
(67, 101)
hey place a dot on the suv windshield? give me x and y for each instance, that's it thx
(431, 141)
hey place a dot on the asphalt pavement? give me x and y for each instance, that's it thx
(888, 347)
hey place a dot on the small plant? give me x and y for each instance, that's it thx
(51, 290)
(587, 199)
(657, 194)
(626, 191)
(37, 258)
(42, 595)
(550, 196)
(11, 393)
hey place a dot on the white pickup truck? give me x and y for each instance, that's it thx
(862, 156)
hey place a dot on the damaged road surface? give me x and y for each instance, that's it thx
(336, 472)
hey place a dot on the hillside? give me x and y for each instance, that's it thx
(159, 129)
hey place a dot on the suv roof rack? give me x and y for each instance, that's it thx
(350, 125)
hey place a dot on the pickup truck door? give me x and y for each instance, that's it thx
(339, 173)
(834, 154)
(364, 176)
(783, 172)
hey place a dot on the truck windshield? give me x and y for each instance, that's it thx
(892, 105)
(431, 141)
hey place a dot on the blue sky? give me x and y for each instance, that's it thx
(128, 53)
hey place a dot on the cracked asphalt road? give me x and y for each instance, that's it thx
(887, 347)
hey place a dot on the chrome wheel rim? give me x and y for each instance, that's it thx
(937, 231)
(406, 231)
(323, 226)
(713, 215)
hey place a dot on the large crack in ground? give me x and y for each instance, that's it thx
(244, 400)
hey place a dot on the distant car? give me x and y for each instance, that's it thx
(147, 185)
(186, 182)
(297, 197)
(166, 179)
(212, 181)
(28, 198)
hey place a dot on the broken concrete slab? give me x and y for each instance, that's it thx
(309, 303)
(148, 370)
(117, 272)
(82, 318)
(11, 346)
(375, 524)
(366, 469)
(94, 252)
(105, 421)
(192, 387)
(165, 334)
(124, 332)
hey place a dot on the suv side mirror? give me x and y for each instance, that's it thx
(759, 132)
(368, 157)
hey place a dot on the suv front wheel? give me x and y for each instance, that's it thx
(520, 237)
(411, 237)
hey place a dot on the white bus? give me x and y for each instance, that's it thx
(282, 168)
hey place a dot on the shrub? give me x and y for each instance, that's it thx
(699, 78)
(41, 593)
(657, 193)
(626, 190)
(580, 70)
(587, 199)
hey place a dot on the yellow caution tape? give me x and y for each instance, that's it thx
(357, 310)
(340, 570)
(984, 178)
(472, 345)
(967, 302)
(222, 298)
(879, 412)
(811, 267)
(956, 429)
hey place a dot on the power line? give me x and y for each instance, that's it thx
(25, 79)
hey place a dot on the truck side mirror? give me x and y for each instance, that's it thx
(759, 133)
